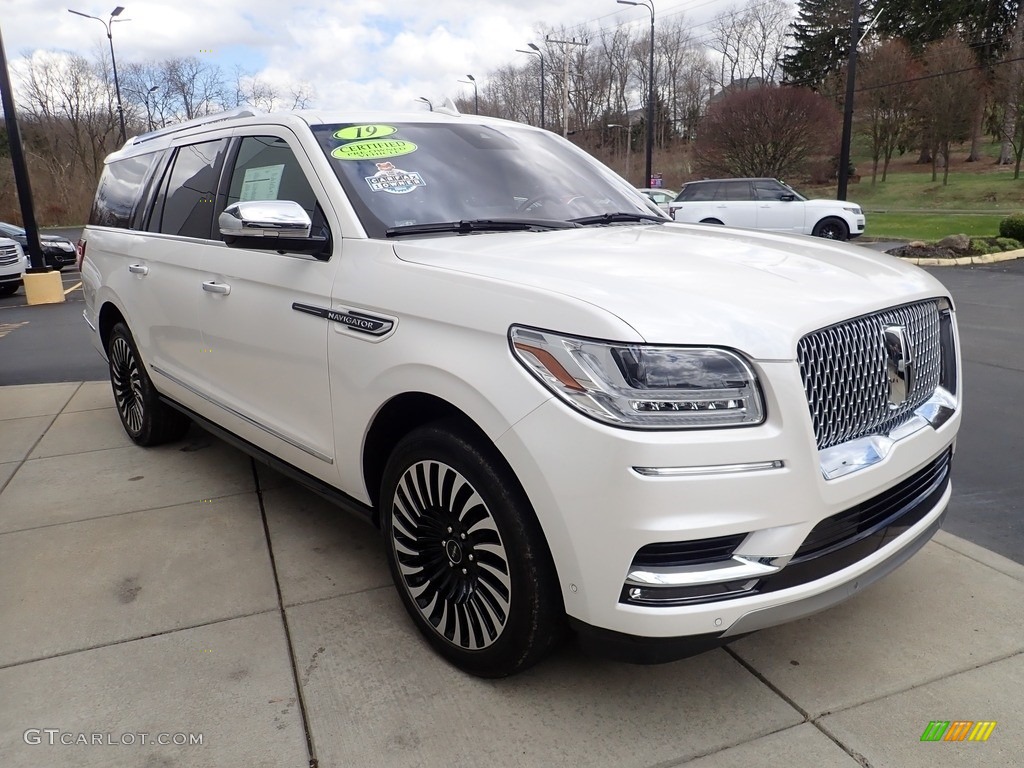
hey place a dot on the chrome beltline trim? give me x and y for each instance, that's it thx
(710, 469)
(273, 432)
(736, 568)
(844, 459)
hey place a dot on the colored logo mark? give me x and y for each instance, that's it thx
(369, 149)
(958, 730)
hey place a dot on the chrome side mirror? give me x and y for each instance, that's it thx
(264, 219)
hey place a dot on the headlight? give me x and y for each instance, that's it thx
(642, 386)
(855, 209)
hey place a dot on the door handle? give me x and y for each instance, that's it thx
(138, 269)
(212, 287)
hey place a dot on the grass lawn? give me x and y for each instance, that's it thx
(931, 226)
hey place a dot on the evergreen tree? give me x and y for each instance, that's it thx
(821, 40)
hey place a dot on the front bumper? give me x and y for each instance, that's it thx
(762, 484)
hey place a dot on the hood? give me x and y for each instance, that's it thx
(691, 284)
(832, 204)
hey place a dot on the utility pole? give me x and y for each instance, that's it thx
(565, 78)
(851, 79)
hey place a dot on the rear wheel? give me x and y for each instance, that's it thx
(146, 419)
(831, 229)
(467, 554)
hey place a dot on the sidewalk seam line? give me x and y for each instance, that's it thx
(863, 761)
(111, 644)
(35, 445)
(282, 613)
(314, 600)
(122, 514)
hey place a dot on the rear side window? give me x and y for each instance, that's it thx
(733, 190)
(697, 192)
(186, 200)
(120, 186)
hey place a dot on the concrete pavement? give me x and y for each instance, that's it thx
(181, 593)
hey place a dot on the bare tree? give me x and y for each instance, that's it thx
(886, 108)
(947, 94)
(770, 131)
(751, 42)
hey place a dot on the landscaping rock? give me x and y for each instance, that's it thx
(956, 242)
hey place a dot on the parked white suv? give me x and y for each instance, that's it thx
(561, 408)
(13, 264)
(766, 204)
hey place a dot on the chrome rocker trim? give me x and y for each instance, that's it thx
(247, 419)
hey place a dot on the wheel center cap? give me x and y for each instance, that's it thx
(454, 551)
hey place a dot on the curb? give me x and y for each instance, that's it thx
(964, 261)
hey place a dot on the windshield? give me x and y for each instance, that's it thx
(402, 176)
(793, 190)
(9, 230)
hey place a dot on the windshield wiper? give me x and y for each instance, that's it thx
(478, 225)
(616, 218)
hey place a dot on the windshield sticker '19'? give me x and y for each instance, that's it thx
(354, 132)
(394, 180)
(373, 149)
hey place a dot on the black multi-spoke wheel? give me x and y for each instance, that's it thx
(467, 554)
(831, 229)
(146, 419)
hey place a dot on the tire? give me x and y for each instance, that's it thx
(712, 221)
(467, 554)
(8, 290)
(831, 229)
(146, 419)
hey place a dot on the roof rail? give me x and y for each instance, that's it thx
(231, 114)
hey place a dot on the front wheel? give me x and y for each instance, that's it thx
(146, 419)
(8, 290)
(467, 554)
(831, 229)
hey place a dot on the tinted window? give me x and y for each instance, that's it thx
(733, 190)
(185, 204)
(769, 190)
(119, 189)
(698, 192)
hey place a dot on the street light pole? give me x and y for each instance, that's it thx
(536, 52)
(113, 62)
(649, 5)
(149, 115)
(476, 94)
(629, 143)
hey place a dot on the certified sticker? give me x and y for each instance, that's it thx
(394, 180)
(373, 149)
(355, 132)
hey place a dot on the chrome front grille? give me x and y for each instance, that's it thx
(8, 255)
(844, 372)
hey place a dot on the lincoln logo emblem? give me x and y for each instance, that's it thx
(899, 365)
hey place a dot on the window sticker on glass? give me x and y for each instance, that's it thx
(394, 180)
(353, 132)
(372, 149)
(261, 183)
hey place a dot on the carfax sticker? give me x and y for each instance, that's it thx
(373, 149)
(354, 132)
(393, 180)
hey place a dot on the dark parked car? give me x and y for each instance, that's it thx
(58, 251)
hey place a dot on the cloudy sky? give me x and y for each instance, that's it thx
(369, 53)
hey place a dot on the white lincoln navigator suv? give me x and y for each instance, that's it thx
(563, 410)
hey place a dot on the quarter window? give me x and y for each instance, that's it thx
(119, 189)
(696, 192)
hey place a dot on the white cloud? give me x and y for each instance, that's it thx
(365, 54)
